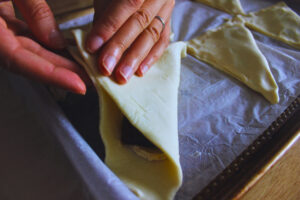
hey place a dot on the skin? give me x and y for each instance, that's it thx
(21, 54)
(126, 36)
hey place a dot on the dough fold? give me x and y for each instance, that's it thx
(278, 21)
(231, 48)
(230, 6)
(150, 104)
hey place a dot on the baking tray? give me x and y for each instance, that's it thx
(236, 178)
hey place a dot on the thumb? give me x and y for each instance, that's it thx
(41, 22)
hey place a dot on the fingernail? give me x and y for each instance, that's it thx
(109, 63)
(56, 39)
(94, 43)
(82, 90)
(144, 69)
(126, 72)
(79, 87)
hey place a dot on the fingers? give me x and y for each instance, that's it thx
(6, 9)
(129, 36)
(14, 24)
(31, 65)
(156, 52)
(51, 57)
(41, 22)
(21, 60)
(112, 18)
(119, 43)
(3, 23)
(8, 14)
(8, 41)
(143, 45)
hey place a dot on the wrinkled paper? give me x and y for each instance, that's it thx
(219, 117)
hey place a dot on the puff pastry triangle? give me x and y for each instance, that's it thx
(229, 6)
(231, 48)
(278, 21)
(150, 104)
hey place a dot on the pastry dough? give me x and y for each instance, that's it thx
(229, 6)
(278, 22)
(232, 49)
(150, 104)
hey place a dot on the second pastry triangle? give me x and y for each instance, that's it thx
(232, 49)
(229, 6)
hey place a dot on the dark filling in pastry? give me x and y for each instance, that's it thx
(132, 136)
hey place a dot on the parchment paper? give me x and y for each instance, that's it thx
(218, 115)
(42, 156)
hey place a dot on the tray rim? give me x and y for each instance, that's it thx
(235, 180)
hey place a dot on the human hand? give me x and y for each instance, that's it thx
(129, 36)
(20, 54)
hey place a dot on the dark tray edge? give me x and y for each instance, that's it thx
(256, 158)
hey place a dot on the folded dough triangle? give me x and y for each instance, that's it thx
(229, 6)
(150, 104)
(231, 48)
(278, 21)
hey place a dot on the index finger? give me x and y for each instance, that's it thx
(53, 58)
(111, 19)
(41, 22)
